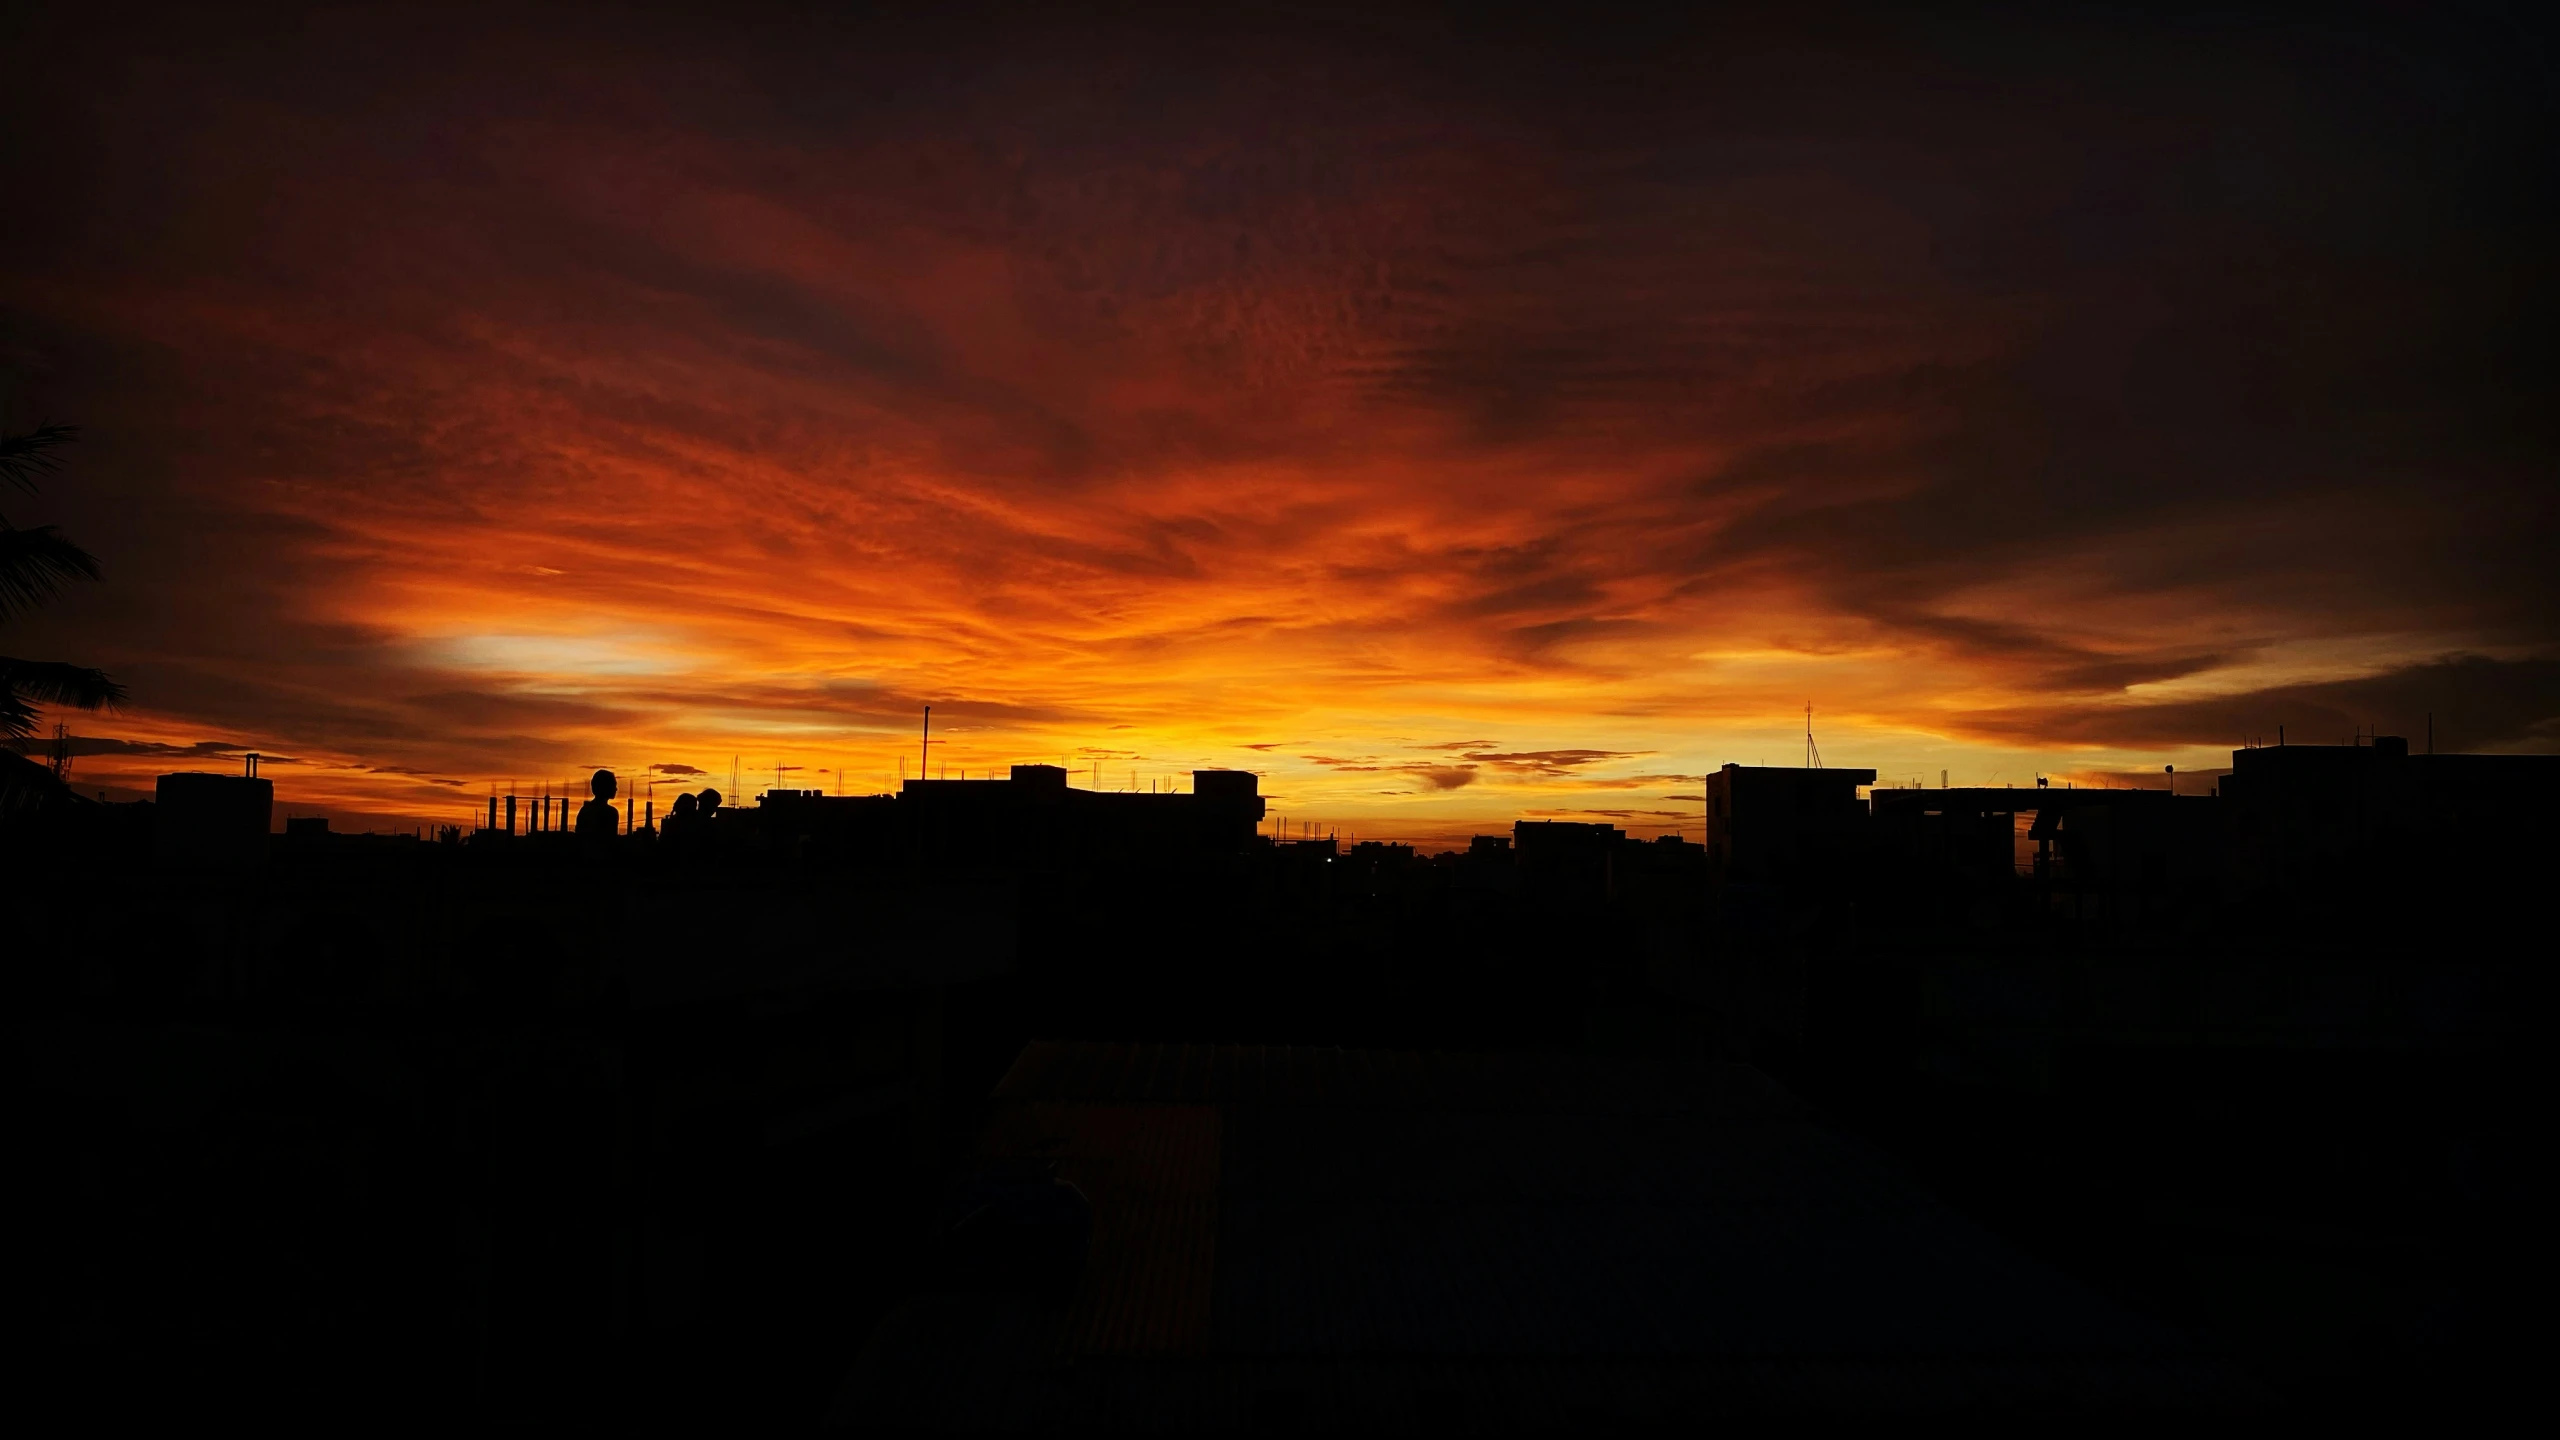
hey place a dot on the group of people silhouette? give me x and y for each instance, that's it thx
(596, 818)
(690, 818)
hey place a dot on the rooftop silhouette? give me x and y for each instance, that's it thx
(789, 1050)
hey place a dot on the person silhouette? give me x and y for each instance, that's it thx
(679, 824)
(596, 819)
(706, 808)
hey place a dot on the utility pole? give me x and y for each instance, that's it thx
(924, 757)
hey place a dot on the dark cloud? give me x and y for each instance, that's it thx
(79, 745)
(2477, 703)
(1605, 814)
(410, 771)
(1546, 762)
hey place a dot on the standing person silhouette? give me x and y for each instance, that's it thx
(596, 819)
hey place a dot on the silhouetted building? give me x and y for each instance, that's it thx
(1565, 865)
(1953, 844)
(1658, 941)
(2355, 832)
(1978, 858)
(1377, 863)
(1786, 857)
(212, 820)
(1231, 801)
(1032, 817)
(1774, 824)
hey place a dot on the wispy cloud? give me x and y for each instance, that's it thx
(1338, 388)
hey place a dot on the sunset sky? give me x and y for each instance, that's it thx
(1452, 421)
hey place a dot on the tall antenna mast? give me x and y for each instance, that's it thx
(1812, 752)
(924, 756)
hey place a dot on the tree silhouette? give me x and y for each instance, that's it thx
(34, 566)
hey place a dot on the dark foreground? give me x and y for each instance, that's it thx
(1164, 1125)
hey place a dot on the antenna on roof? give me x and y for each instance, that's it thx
(1812, 752)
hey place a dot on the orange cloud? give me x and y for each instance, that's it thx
(690, 404)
